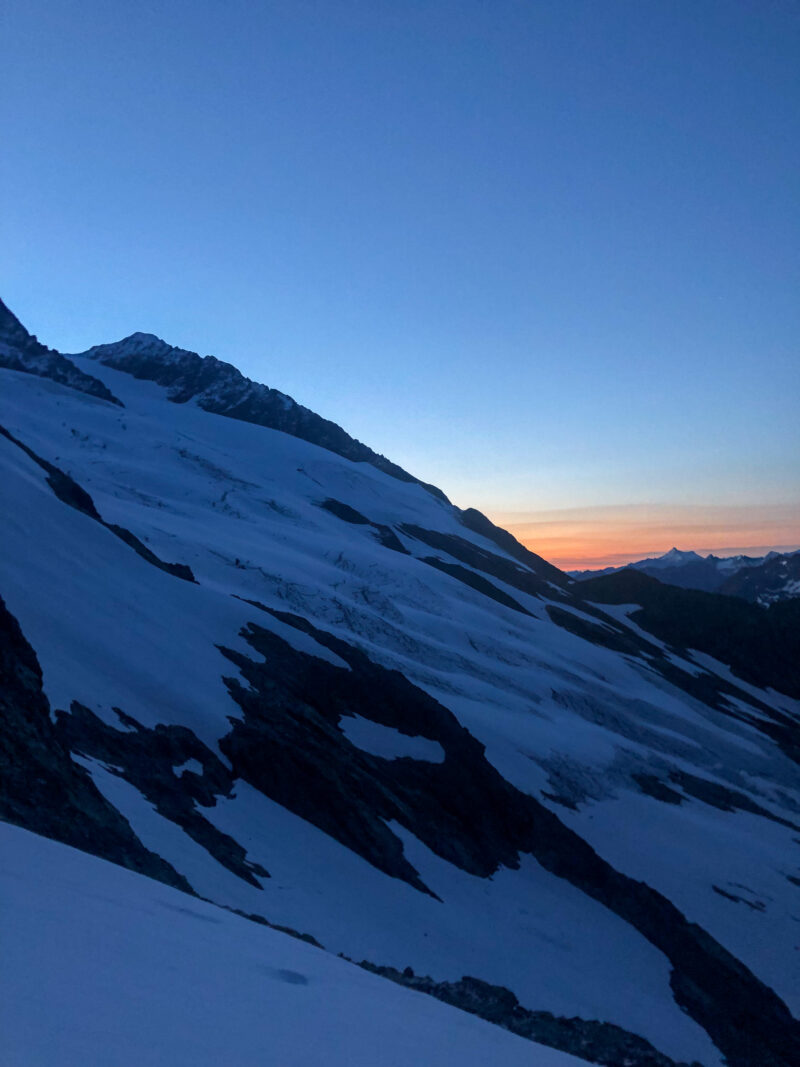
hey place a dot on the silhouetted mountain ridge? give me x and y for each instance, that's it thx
(760, 579)
(760, 644)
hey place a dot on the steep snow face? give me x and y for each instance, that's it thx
(102, 966)
(509, 723)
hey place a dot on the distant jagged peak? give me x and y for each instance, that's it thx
(138, 337)
(677, 555)
(761, 579)
(140, 344)
(138, 341)
(12, 332)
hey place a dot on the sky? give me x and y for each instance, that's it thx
(545, 255)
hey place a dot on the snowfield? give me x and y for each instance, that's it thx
(102, 966)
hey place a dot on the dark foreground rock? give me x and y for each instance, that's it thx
(599, 1043)
(41, 787)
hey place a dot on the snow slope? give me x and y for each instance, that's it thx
(102, 966)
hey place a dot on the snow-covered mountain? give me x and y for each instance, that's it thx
(775, 578)
(249, 658)
(760, 579)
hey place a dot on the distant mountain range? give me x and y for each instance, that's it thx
(759, 579)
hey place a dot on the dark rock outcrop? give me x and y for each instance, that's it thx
(75, 496)
(147, 758)
(596, 1042)
(476, 582)
(704, 631)
(21, 351)
(289, 747)
(477, 522)
(385, 534)
(41, 787)
(527, 577)
(760, 645)
(774, 580)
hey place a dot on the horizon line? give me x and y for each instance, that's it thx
(622, 559)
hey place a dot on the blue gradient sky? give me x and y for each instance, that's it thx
(546, 255)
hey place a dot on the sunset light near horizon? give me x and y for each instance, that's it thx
(584, 539)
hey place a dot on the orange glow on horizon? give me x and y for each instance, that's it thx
(591, 538)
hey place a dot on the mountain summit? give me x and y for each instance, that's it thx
(220, 388)
(675, 555)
